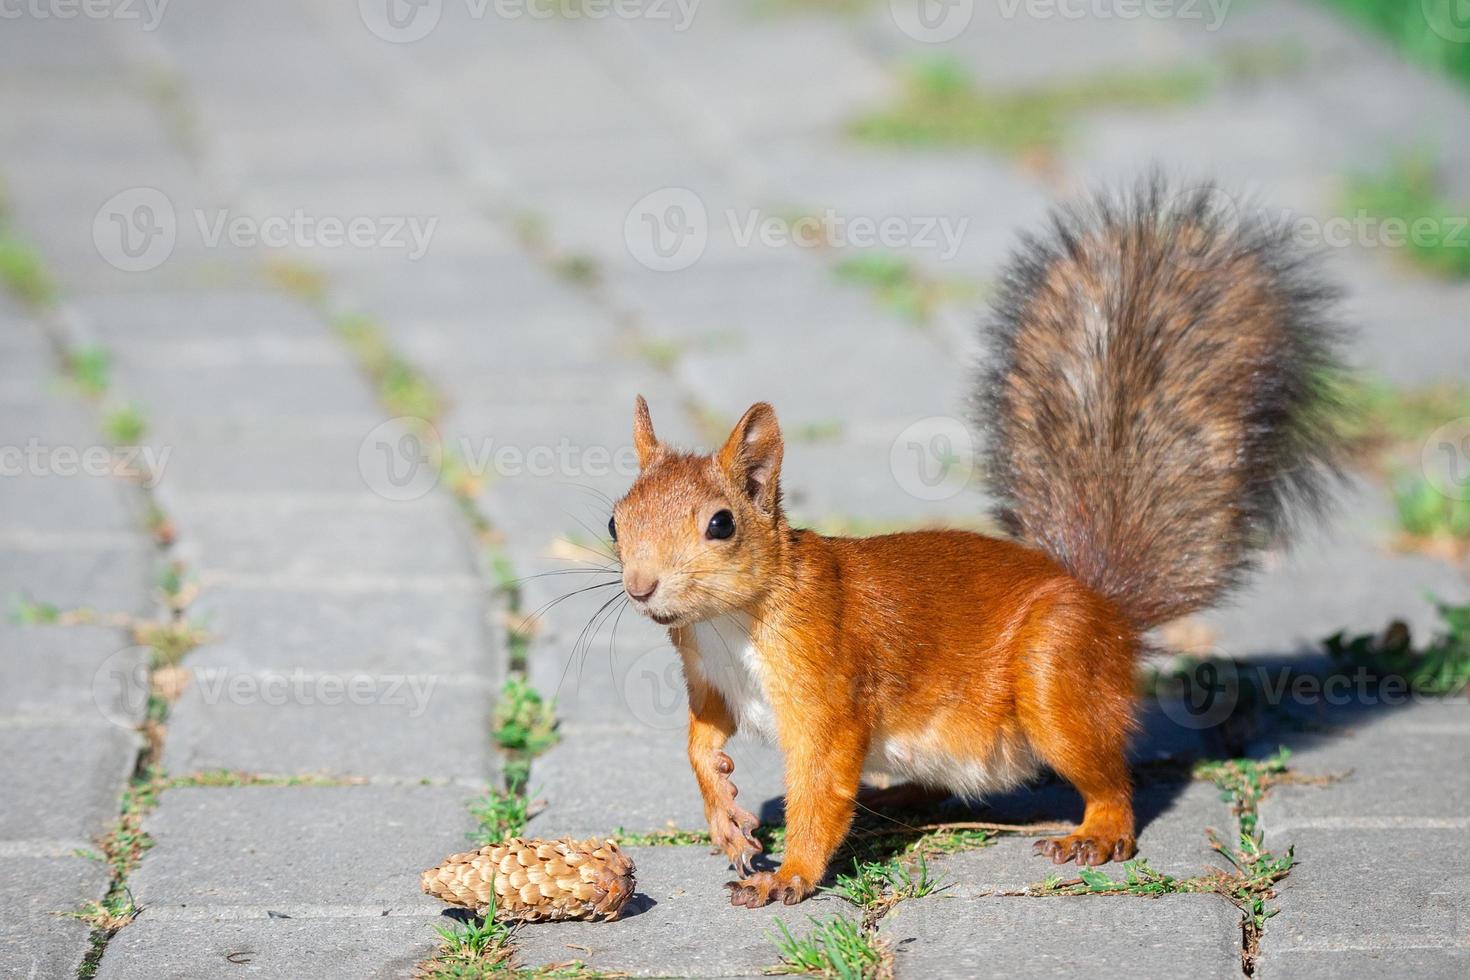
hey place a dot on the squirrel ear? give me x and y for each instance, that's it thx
(752, 456)
(644, 441)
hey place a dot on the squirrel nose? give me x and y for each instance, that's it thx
(640, 587)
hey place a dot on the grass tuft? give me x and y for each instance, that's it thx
(1440, 669)
(90, 370)
(502, 814)
(1408, 193)
(24, 272)
(524, 721)
(836, 948)
(124, 426)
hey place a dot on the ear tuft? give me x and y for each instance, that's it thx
(752, 456)
(644, 441)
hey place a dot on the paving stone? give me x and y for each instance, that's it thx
(318, 536)
(1109, 936)
(321, 456)
(597, 780)
(62, 782)
(227, 316)
(276, 949)
(73, 674)
(408, 726)
(290, 849)
(73, 500)
(111, 576)
(446, 633)
(36, 942)
(176, 398)
(1371, 887)
(679, 924)
(1384, 772)
(1437, 963)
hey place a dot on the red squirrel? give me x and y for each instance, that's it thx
(1155, 399)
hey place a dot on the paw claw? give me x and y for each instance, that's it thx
(1087, 851)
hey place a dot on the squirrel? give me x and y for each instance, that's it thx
(1155, 404)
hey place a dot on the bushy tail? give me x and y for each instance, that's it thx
(1157, 395)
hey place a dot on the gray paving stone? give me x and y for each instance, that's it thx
(1373, 887)
(408, 726)
(679, 924)
(1111, 936)
(233, 392)
(595, 781)
(1435, 963)
(319, 536)
(320, 456)
(279, 949)
(72, 500)
(376, 632)
(227, 315)
(1385, 772)
(115, 577)
(354, 849)
(35, 941)
(74, 674)
(62, 782)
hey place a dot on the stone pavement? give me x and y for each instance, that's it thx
(519, 185)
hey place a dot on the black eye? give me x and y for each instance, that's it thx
(722, 525)
(612, 528)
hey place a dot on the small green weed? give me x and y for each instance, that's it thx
(836, 948)
(501, 815)
(90, 370)
(124, 426)
(1405, 200)
(898, 285)
(1424, 512)
(1442, 668)
(524, 722)
(1244, 782)
(24, 272)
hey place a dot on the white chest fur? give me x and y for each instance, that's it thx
(729, 662)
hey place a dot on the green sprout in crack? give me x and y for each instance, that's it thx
(899, 286)
(124, 426)
(882, 883)
(1426, 513)
(668, 837)
(27, 612)
(1408, 194)
(524, 721)
(90, 370)
(1139, 878)
(477, 948)
(501, 815)
(836, 948)
(24, 272)
(1441, 668)
(1244, 782)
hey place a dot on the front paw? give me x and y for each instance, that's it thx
(1086, 849)
(765, 887)
(732, 827)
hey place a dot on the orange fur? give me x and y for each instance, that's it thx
(974, 642)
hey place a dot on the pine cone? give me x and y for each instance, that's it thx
(537, 880)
